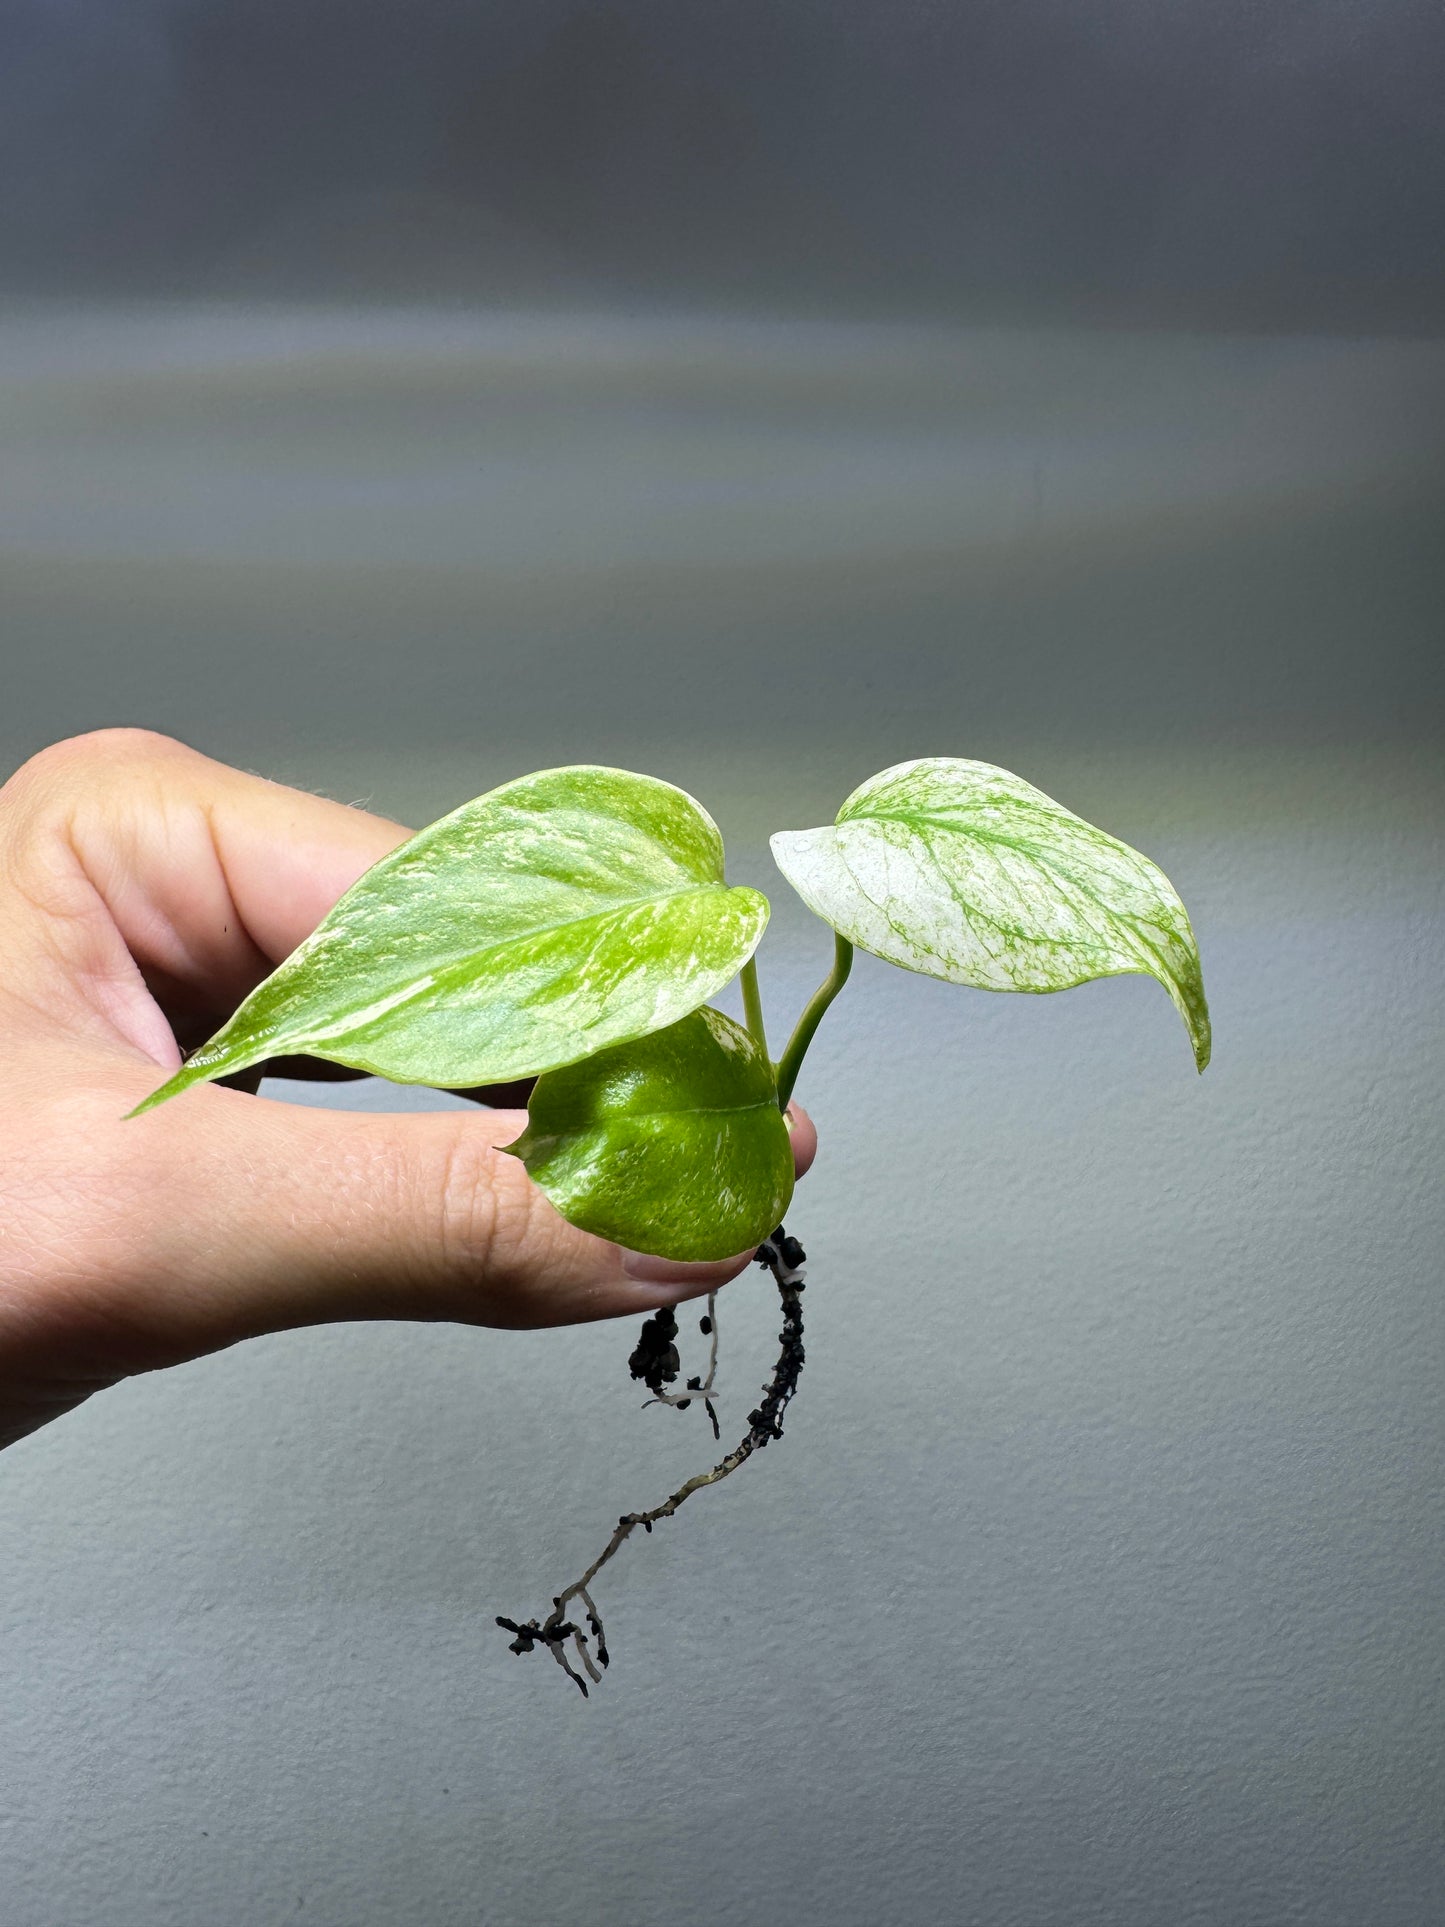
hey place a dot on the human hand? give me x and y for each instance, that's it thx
(144, 890)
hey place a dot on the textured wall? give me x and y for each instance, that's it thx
(1097, 1578)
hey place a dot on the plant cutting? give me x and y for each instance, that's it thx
(571, 927)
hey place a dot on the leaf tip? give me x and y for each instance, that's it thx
(171, 1088)
(196, 1070)
(1194, 1009)
(521, 1147)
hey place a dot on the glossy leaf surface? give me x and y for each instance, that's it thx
(550, 918)
(966, 872)
(672, 1144)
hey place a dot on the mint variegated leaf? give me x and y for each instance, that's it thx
(546, 920)
(966, 872)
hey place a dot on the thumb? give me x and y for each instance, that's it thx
(225, 1215)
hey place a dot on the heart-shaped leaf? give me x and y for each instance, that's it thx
(546, 920)
(966, 872)
(671, 1144)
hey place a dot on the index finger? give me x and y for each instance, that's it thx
(131, 846)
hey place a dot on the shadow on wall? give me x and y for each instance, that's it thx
(1217, 165)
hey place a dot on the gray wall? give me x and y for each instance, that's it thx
(1096, 1581)
(1097, 1577)
(1272, 166)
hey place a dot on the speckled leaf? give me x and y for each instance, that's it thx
(672, 1144)
(966, 872)
(546, 920)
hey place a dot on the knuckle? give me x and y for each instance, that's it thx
(498, 1228)
(122, 743)
(78, 764)
(468, 1204)
(100, 749)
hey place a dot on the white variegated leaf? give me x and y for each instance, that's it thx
(964, 871)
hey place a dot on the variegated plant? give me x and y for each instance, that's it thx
(571, 927)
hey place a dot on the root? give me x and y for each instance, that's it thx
(656, 1362)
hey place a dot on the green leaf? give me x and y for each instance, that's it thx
(963, 871)
(672, 1144)
(546, 920)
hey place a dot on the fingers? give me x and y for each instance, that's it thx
(804, 1135)
(133, 847)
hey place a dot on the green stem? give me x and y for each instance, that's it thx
(791, 1061)
(753, 1003)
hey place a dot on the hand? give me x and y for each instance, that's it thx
(144, 890)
